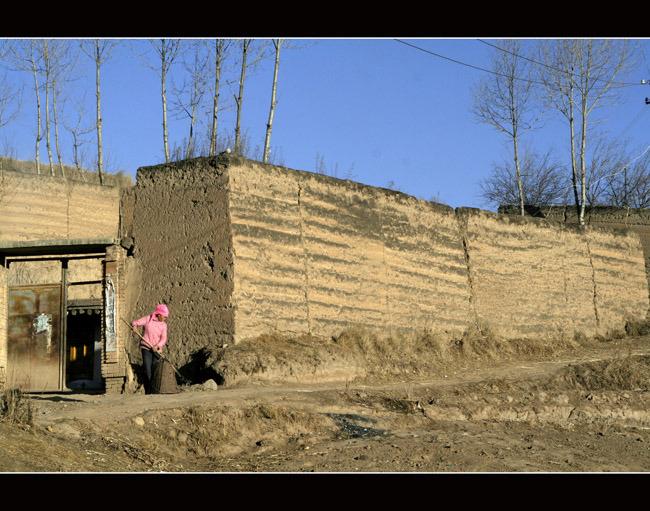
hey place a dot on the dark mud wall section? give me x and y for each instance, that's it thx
(238, 249)
(182, 242)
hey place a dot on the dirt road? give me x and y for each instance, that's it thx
(585, 412)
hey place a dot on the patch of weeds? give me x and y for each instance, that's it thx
(16, 408)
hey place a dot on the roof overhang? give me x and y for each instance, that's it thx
(53, 247)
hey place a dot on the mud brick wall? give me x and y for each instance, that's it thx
(530, 277)
(317, 254)
(38, 207)
(237, 248)
(270, 280)
(634, 219)
(183, 248)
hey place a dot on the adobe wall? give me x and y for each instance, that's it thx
(237, 248)
(316, 254)
(182, 245)
(33, 207)
(533, 277)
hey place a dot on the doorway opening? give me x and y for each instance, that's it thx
(83, 347)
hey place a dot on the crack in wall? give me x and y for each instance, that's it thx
(389, 322)
(462, 228)
(593, 281)
(304, 252)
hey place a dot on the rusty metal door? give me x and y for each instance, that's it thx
(34, 347)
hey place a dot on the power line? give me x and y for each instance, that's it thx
(488, 70)
(546, 65)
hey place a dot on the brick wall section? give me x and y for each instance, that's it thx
(39, 207)
(114, 361)
(4, 310)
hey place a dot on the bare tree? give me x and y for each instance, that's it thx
(277, 44)
(541, 181)
(505, 100)
(23, 55)
(189, 97)
(219, 50)
(252, 52)
(627, 183)
(166, 52)
(59, 60)
(579, 76)
(99, 50)
(10, 94)
(78, 129)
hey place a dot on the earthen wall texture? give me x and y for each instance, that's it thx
(182, 242)
(634, 219)
(237, 249)
(533, 276)
(316, 254)
(33, 207)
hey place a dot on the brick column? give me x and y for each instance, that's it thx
(114, 358)
(4, 333)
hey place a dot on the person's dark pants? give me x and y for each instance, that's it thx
(149, 360)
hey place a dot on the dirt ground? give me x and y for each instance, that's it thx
(581, 408)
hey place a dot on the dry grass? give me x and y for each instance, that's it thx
(119, 179)
(16, 408)
(359, 353)
(430, 354)
(622, 373)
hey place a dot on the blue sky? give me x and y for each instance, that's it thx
(382, 110)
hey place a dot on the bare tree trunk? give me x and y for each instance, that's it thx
(98, 95)
(100, 51)
(219, 55)
(239, 99)
(522, 209)
(163, 91)
(39, 135)
(267, 141)
(574, 168)
(583, 171)
(167, 51)
(56, 132)
(48, 145)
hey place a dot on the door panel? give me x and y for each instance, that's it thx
(34, 347)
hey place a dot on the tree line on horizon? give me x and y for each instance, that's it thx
(51, 69)
(571, 80)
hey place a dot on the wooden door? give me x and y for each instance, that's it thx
(34, 341)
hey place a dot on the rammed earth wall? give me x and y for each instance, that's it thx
(36, 207)
(237, 248)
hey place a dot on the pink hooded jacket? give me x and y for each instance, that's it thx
(155, 332)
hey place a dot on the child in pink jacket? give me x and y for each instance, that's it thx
(155, 335)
